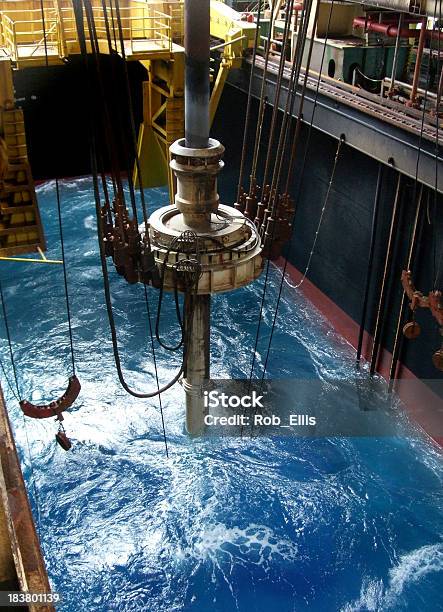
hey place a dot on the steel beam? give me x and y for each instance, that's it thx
(372, 135)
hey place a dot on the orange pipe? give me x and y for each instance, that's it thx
(421, 46)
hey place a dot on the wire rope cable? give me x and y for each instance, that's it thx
(305, 16)
(322, 214)
(305, 19)
(314, 109)
(249, 103)
(278, 89)
(65, 276)
(290, 102)
(262, 106)
(340, 143)
(437, 266)
(311, 254)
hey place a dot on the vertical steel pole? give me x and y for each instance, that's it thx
(198, 312)
(387, 271)
(418, 61)
(198, 307)
(396, 54)
(197, 43)
(370, 261)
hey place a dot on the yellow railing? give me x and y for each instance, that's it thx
(135, 27)
(144, 28)
(26, 38)
(155, 27)
(8, 36)
(50, 36)
(172, 8)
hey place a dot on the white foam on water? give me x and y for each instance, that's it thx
(414, 566)
(90, 222)
(256, 541)
(113, 548)
(411, 568)
(370, 600)
(46, 187)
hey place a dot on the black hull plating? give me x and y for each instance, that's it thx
(339, 264)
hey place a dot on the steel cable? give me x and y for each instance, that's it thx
(286, 261)
(94, 156)
(263, 298)
(131, 114)
(278, 87)
(249, 104)
(290, 102)
(280, 291)
(262, 106)
(311, 123)
(400, 342)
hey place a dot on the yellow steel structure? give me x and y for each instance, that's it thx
(163, 94)
(20, 226)
(163, 119)
(153, 35)
(237, 35)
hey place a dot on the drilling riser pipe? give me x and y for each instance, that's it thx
(227, 244)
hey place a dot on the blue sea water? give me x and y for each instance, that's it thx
(248, 525)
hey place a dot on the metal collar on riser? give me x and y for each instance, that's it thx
(229, 248)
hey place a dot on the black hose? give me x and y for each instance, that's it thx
(383, 289)
(399, 338)
(370, 262)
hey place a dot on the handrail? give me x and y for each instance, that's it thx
(10, 41)
(21, 11)
(149, 25)
(44, 40)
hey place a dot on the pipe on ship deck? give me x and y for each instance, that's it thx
(197, 43)
(418, 62)
(389, 29)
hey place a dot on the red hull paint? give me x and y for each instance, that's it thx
(422, 404)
